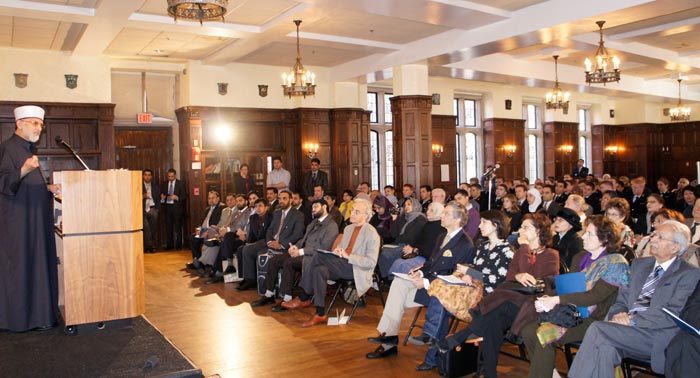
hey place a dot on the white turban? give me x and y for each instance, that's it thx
(29, 111)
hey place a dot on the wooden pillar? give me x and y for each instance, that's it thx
(312, 126)
(350, 150)
(557, 161)
(412, 127)
(444, 133)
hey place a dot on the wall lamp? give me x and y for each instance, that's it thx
(509, 150)
(437, 150)
(567, 149)
(613, 149)
(311, 150)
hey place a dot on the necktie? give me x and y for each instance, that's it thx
(171, 188)
(313, 176)
(445, 241)
(695, 233)
(353, 238)
(644, 299)
(205, 222)
(228, 216)
(279, 230)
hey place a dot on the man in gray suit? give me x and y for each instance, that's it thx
(353, 259)
(320, 234)
(287, 227)
(637, 327)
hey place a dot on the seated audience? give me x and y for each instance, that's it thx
(381, 220)
(454, 247)
(643, 245)
(567, 240)
(405, 228)
(618, 210)
(353, 259)
(419, 251)
(212, 215)
(605, 271)
(533, 200)
(636, 326)
(492, 258)
(512, 211)
(507, 308)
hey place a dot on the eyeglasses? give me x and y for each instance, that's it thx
(35, 123)
(658, 236)
(613, 214)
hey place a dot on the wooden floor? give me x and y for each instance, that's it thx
(215, 326)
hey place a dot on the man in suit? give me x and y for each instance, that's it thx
(472, 226)
(150, 211)
(298, 203)
(287, 227)
(560, 194)
(233, 221)
(254, 232)
(580, 171)
(331, 198)
(638, 206)
(320, 234)
(683, 352)
(173, 196)
(271, 196)
(313, 178)
(664, 191)
(637, 327)
(521, 195)
(548, 201)
(452, 248)
(212, 215)
(425, 197)
(354, 258)
(591, 196)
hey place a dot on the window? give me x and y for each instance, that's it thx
(460, 174)
(389, 142)
(532, 113)
(372, 106)
(466, 110)
(471, 156)
(532, 157)
(455, 110)
(584, 135)
(374, 148)
(387, 108)
(470, 113)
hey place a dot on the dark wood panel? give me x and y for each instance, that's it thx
(444, 133)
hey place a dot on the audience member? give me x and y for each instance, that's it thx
(278, 177)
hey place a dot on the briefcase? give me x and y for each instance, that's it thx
(460, 361)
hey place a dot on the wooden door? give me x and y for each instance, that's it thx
(139, 148)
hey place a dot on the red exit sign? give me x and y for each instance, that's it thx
(144, 118)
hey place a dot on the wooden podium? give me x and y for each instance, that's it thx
(99, 241)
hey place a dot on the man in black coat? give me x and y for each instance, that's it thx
(313, 178)
(580, 171)
(151, 191)
(212, 216)
(173, 196)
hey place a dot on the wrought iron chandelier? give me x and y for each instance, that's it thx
(197, 10)
(556, 99)
(680, 112)
(607, 68)
(299, 81)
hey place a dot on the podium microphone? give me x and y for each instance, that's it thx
(492, 169)
(65, 144)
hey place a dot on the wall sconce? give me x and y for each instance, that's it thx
(567, 149)
(612, 150)
(437, 150)
(311, 150)
(509, 150)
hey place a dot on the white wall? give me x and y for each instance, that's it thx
(46, 82)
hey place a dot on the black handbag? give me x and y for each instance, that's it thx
(538, 288)
(563, 315)
(459, 361)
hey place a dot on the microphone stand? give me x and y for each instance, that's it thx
(75, 154)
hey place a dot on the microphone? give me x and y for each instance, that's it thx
(492, 169)
(65, 144)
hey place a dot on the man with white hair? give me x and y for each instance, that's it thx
(636, 326)
(28, 266)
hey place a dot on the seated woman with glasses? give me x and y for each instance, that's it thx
(605, 271)
(618, 211)
(507, 307)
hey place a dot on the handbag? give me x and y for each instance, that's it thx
(537, 288)
(563, 315)
(459, 361)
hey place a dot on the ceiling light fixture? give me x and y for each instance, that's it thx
(556, 99)
(298, 82)
(197, 10)
(607, 68)
(680, 112)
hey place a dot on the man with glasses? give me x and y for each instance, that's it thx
(28, 271)
(636, 326)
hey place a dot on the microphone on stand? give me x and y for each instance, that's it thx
(492, 170)
(65, 144)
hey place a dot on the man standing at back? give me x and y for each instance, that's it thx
(314, 177)
(150, 211)
(173, 196)
(28, 266)
(278, 177)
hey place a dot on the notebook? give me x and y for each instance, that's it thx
(572, 283)
(681, 323)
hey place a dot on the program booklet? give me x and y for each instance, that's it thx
(681, 323)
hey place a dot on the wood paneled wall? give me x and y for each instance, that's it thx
(556, 161)
(350, 150)
(412, 132)
(444, 133)
(499, 132)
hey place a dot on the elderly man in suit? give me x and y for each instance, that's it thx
(287, 227)
(452, 248)
(320, 234)
(212, 215)
(353, 259)
(637, 327)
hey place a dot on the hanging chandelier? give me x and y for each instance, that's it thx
(197, 10)
(299, 81)
(607, 68)
(556, 99)
(680, 112)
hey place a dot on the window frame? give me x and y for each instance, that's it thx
(463, 171)
(538, 132)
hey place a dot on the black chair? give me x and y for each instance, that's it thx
(628, 253)
(569, 354)
(413, 325)
(343, 285)
(631, 364)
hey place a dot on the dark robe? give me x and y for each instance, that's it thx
(28, 263)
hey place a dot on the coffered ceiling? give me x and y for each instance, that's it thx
(503, 41)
